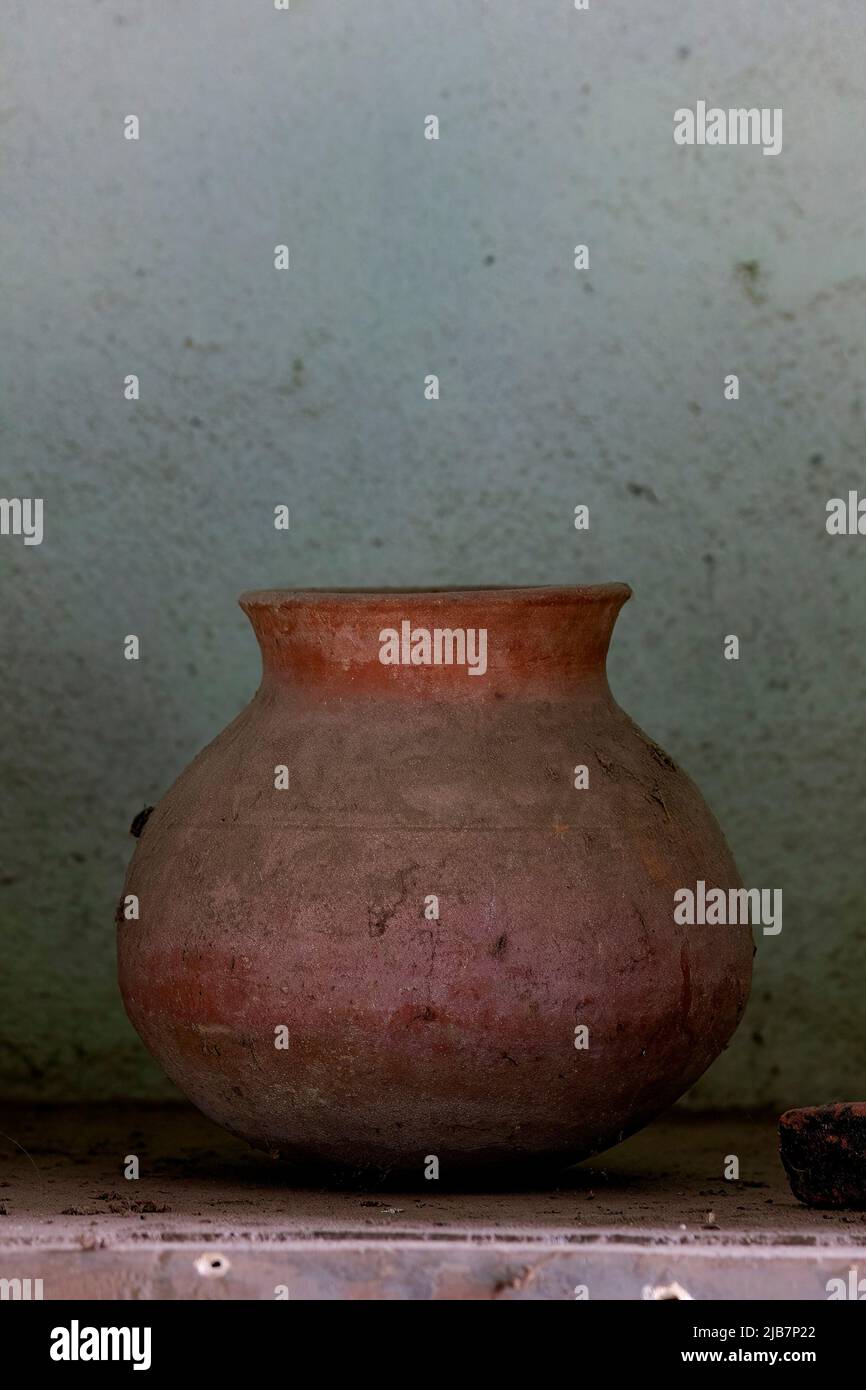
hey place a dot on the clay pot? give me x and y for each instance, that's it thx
(306, 914)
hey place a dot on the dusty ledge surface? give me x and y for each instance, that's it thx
(210, 1218)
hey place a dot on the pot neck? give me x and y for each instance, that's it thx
(462, 644)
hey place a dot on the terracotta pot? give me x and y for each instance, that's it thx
(415, 788)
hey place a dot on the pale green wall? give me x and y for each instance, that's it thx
(558, 387)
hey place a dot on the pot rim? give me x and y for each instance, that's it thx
(548, 593)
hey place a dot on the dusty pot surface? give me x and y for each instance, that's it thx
(385, 916)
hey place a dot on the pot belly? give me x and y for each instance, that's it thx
(409, 1034)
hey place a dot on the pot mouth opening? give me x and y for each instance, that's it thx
(493, 593)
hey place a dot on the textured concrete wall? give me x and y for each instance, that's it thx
(305, 387)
